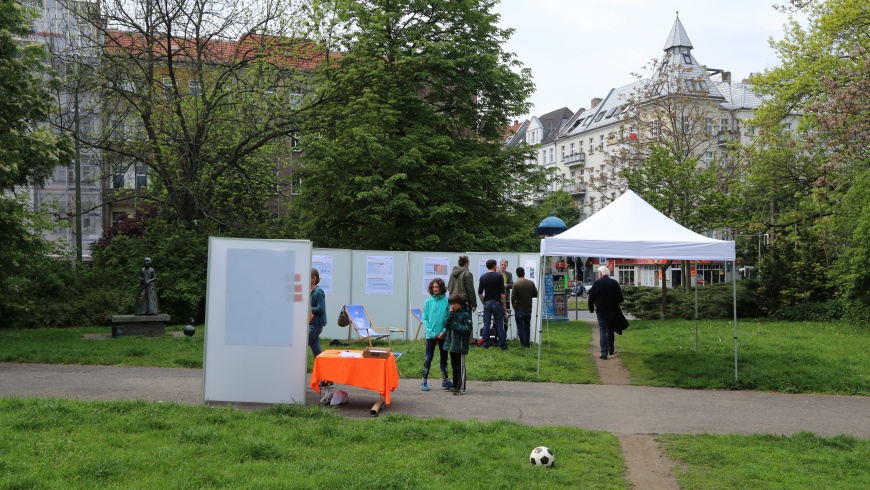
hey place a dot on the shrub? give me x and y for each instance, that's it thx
(806, 312)
(715, 301)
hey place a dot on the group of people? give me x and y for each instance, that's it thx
(447, 316)
(451, 330)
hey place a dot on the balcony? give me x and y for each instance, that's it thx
(574, 159)
(727, 138)
(575, 189)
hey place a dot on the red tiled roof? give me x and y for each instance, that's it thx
(300, 53)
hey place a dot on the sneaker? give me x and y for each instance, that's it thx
(324, 384)
(603, 357)
(424, 386)
(613, 353)
(458, 392)
(446, 384)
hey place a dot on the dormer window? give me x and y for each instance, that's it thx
(687, 58)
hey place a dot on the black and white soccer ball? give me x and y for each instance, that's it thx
(542, 456)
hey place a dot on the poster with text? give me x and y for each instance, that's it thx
(379, 274)
(323, 264)
(435, 267)
(532, 270)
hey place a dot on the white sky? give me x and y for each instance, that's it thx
(580, 49)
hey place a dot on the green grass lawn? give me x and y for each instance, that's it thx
(68, 444)
(72, 444)
(797, 462)
(786, 357)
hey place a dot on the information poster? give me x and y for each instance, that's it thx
(531, 267)
(379, 274)
(323, 264)
(435, 267)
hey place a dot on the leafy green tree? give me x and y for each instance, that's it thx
(815, 200)
(562, 204)
(410, 153)
(682, 191)
(29, 151)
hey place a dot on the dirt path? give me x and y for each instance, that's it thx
(647, 466)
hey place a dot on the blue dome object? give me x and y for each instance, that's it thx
(551, 225)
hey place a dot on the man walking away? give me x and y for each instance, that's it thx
(605, 295)
(524, 291)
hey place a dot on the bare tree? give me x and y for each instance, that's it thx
(202, 97)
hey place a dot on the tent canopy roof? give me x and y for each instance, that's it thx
(630, 228)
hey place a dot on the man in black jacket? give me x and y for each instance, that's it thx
(605, 295)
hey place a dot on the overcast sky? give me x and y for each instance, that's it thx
(580, 49)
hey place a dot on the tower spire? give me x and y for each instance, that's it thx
(678, 37)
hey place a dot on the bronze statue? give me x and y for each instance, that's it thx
(146, 296)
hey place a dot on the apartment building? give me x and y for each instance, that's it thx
(77, 113)
(592, 146)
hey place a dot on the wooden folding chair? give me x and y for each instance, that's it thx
(361, 323)
(418, 315)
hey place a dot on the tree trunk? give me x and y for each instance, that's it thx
(664, 269)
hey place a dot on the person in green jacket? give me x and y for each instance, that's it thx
(457, 340)
(462, 283)
(434, 313)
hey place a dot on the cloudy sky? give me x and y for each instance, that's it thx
(580, 49)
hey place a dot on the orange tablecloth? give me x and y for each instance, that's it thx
(379, 375)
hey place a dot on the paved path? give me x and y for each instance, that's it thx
(614, 408)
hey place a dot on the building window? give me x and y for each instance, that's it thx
(167, 84)
(118, 177)
(572, 147)
(580, 145)
(708, 158)
(709, 124)
(543, 157)
(656, 129)
(687, 58)
(601, 143)
(194, 87)
(787, 126)
(552, 157)
(563, 152)
(141, 177)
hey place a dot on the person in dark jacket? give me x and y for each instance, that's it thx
(524, 292)
(459, 329)
(462, 283)
(317, 318)
(605, 295)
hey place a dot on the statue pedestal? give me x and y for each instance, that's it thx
(145, 325)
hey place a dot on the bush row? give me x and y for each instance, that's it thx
(714, 301)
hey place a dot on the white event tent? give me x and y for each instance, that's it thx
(630, 228)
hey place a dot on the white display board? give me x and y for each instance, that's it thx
(379, 281)
(532, 263)
(338, 264)
(257, 316)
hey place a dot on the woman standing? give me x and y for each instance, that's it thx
(434, 314)
(318, 313)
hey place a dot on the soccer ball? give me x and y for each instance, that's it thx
(542, 456)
